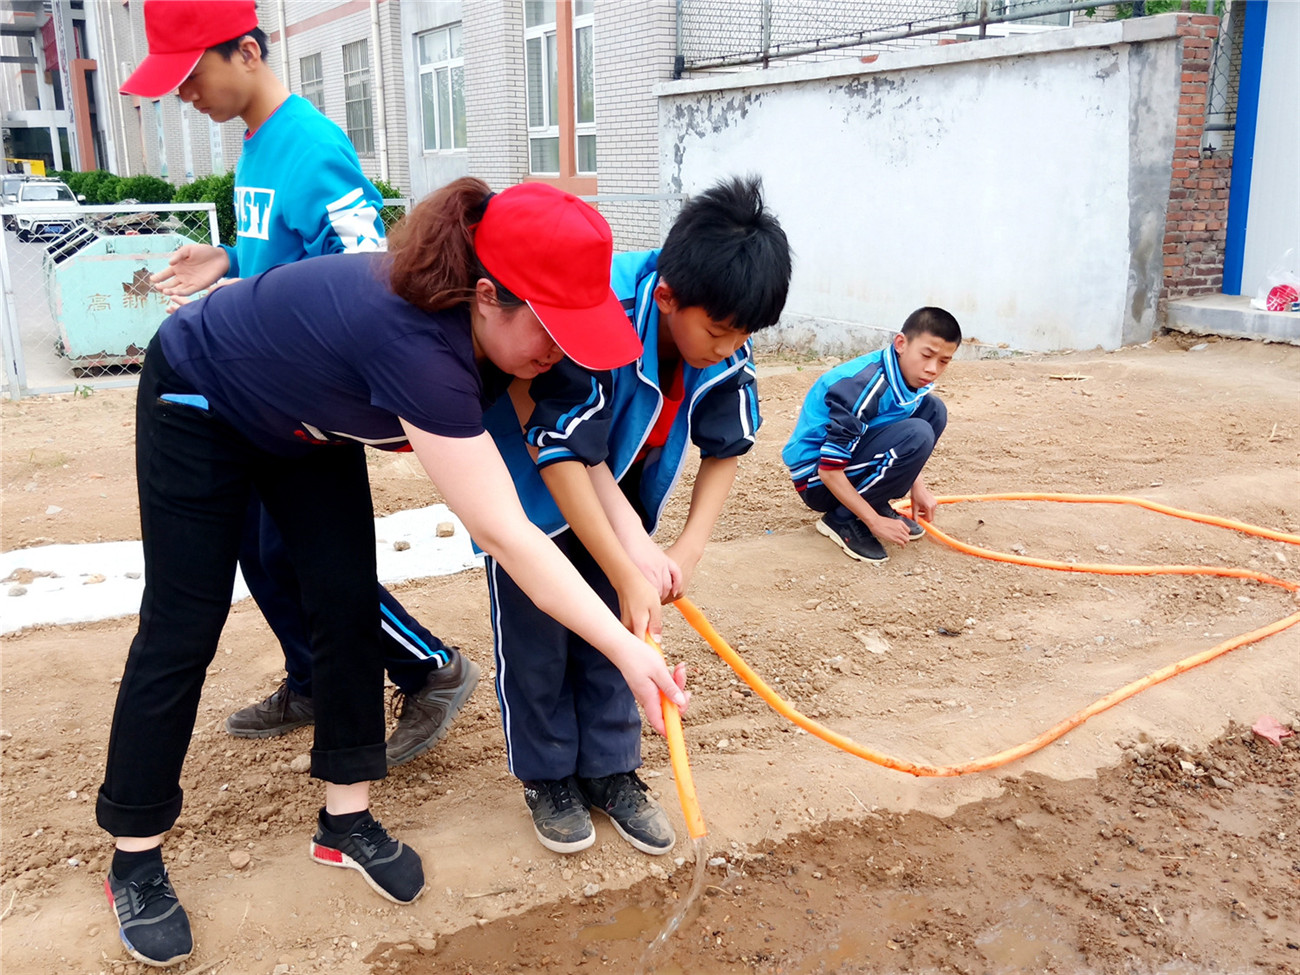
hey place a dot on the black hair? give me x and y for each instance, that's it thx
(228, 49)
(932, 321)
(726, 253)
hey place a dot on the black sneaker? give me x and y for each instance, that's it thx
(423, 718)
(855, 538)
(283, 711)
(151, 922)
(914, 531)
(626, 800)
(391, 867)
(560, 817)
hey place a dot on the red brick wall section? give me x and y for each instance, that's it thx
(1197, 218)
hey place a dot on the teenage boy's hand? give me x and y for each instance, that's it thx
(890, 530)
(647, 676)
(638, 603)
(924, 503)
(660, 570)
(191, 268)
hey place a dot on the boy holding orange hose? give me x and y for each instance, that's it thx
(865, 432)
(599, 455)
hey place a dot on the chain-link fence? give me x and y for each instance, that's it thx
(714, 34)
(77, 309)
(732, 33)
(1221, 99)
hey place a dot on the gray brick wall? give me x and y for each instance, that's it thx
(495, 101)
(635, 41)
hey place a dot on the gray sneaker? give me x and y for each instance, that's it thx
(560, 818)
(282, 711)
(626, 800)
(423, 718)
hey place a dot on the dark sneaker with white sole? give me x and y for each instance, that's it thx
(854, 538)
(626, 800)
(281, 712)
(151, 922)
(560, 816)
(391, 867)
(424, 717)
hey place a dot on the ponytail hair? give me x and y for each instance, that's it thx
(431, 251)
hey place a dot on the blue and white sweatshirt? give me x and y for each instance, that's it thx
(300, 192)
(607, 417)
(845, 402)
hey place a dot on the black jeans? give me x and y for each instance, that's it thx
(195, 473)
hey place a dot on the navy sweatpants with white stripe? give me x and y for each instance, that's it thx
(565, 708)
(411, 652)
(886, 460)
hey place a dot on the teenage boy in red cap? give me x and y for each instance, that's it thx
(299, 192)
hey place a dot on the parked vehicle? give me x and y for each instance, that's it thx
(47, 208)
(9, 194)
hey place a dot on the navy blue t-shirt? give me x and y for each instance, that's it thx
(322, 351)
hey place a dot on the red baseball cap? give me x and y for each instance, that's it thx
(553, 251)
(179, 31)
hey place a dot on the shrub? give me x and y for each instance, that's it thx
(146, 189)
(387, 190)
(214, 189)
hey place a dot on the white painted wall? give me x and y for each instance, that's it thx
(1020, 183)
(1273, 220)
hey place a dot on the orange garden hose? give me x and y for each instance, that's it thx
(702, 626)
(681, 765)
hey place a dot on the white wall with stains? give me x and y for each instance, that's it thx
(1020, 183)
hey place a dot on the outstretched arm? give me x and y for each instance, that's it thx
(472, 477)
(191, 268)
(712, 485)
(571, 486)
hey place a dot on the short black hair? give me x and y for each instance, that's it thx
(228, 49)
(932, 321)
(726, 253)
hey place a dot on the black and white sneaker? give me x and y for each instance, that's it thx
(560, 816)
(391, 867)
(151, 922)
(854, 538)
(626, 800)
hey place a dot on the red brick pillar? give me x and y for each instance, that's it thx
(1197, 218)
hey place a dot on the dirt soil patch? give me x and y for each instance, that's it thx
(1160, 836)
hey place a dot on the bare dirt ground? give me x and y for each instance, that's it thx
(1160, 836)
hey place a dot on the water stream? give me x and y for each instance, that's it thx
(647, 963)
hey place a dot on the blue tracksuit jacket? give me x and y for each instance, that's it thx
(607, 417)
(856, 396)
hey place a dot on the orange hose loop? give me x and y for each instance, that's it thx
(702, 626)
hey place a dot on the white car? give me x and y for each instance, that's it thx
(47, 208)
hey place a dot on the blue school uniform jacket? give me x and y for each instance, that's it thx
(607, 417)
(845, 402)
(300, 192)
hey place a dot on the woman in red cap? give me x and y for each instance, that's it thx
(276, 383)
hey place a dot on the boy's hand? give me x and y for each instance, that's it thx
(890, 530)
(192, 268)
(638, 603)
(924, 503)
(686, 561)
(660, 570)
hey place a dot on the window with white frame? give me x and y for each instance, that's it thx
(357, 107)
(312, 81)
(584, 85)
(442, 88)
(541, 71)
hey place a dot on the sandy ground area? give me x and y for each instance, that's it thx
(1160, 836)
